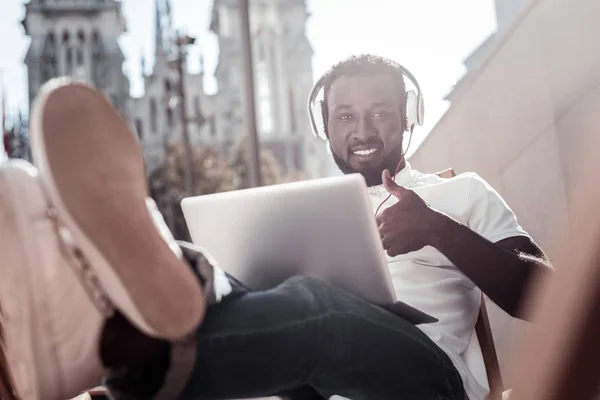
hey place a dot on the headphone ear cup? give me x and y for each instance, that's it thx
(420, 109)
(412, 112)
(319, 116)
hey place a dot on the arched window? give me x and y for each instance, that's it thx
(49, 59)
(97, 47)
(153, 116)
(51, 41)
(139, 127)
(169, 112)
(66, 44)
(98, 60)
(80, 47)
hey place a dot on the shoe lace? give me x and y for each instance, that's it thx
(81, 266)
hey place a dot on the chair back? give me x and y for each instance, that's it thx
(484, 335)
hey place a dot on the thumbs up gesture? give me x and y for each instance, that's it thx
(410, 224)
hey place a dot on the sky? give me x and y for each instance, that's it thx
(429, 37)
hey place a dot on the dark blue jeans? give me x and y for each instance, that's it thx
(307, 335)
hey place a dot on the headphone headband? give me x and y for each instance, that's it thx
(415, 106)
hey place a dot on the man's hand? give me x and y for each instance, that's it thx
(410, 224)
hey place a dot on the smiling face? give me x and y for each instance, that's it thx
(365, 124)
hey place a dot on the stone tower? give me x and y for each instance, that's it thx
(282, 58)
(77, 38)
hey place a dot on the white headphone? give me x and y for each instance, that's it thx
(415, 106)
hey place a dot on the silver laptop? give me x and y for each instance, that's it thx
(321, 228)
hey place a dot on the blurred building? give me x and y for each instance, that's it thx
(156, 115)
(283, 79)
(79, 38)
(506, 13)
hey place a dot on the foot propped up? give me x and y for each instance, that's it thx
(93, 169)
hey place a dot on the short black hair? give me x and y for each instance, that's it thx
(365, 64)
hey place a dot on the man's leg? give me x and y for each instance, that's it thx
(305, 332)
(194, 257)
(302, 393)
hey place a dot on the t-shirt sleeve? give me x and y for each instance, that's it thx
(489, 215)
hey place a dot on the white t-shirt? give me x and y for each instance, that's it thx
(427, 280)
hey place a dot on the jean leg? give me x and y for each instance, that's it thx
(303, 393)
(305, 332)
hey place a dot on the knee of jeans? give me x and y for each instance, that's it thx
(305, 282)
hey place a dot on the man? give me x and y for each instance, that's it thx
(446, 238)
(77, 297)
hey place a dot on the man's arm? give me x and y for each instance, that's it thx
(501, 270)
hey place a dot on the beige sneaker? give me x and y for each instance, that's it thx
(49, 324)
(93, 169)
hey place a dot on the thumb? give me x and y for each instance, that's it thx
(391, 186)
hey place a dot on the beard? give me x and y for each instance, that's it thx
(372, 175)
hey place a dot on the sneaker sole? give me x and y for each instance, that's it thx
(94, 172)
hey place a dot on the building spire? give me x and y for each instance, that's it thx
(163, 25)
(158, 31)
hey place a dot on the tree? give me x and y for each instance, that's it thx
(214, 174)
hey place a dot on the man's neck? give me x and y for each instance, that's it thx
(374, 178)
